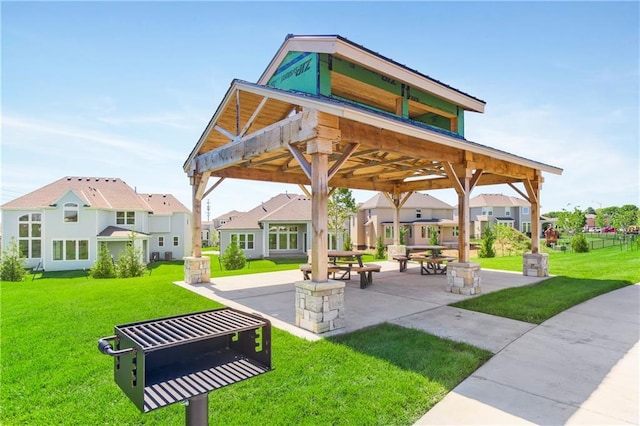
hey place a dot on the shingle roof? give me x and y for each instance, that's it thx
(98, 193)
(417, 200)
(282, 207)
(497, 200)
(116, 232)
(164, 204)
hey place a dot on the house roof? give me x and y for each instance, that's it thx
(417, 200)
(164, 204)
(117, 232)
(97, 193)
(497, 200)
(341, 47)
(229, 215)
(282, 207)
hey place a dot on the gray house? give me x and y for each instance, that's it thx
(490, 209)
(59, 226)
(277, 227)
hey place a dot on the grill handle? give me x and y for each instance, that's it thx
(105, 347)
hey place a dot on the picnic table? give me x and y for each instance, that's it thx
(344, 262)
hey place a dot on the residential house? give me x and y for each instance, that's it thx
(210, 228)
(277, 227)
(59, 226)
(490, 209)
(418, 215)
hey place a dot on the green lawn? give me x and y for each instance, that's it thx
(52, 372)
(579, 277)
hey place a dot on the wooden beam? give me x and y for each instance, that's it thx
(298, 128)
(202, 185)
(475, 178)
(305, 191)
(196, 220)
(224, 132)
(453, 178)
(350, 149)
(299, 156)
(522, 194)
(253, 116)
(214, 186)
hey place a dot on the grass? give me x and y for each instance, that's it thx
(580, 277)
(52, 372)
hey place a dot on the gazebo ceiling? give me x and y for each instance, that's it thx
(373, 150)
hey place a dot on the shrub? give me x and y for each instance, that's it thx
(380, 249)
(103, 268)
(12, 266)
(233, 258)
(347, 245)
(579, 244)
(486, 244)
(130, 262)
(433, 239)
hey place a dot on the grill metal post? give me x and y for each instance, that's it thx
(198, 410)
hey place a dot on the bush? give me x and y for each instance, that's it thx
(12, 267)
(486, 244)
(130, 262)
(347, 245)
(233, 258)
(380, 249)
(579, 244)
(103, 268)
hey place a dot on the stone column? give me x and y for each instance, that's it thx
(197, 269)
(320, 306)
(535, 264)
(463, 278)
(396, 250)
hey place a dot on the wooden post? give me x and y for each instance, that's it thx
(196, 220)
(533, 191)
(319, 215)
(463, 221)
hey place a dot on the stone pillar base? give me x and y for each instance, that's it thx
(197, 270)
(463, 278)
(320, 306)
(392, 250)
(535, 265)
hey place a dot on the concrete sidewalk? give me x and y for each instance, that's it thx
(579, 367)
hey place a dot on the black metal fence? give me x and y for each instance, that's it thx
(603, 240)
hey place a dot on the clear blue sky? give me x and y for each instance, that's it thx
(120, 89)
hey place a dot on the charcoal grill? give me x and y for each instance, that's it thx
(183, 358)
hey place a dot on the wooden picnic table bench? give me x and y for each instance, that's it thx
(402, 261)
(433, 263)
(365, 272)
(366, 276)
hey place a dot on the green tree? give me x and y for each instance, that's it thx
(434, 239)
(341, 205)
(12, 266)
(103, 268)
(130, 263)
(380, 248)
(348, 244)
(233, 257)
(571, 222)
(579, 243)
(486, 243)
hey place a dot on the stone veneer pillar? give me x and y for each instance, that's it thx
(320, 306)
(463, 278)
(393, 250)
(535, 264)
(197, 269)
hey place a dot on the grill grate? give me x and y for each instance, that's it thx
(203, 381)
(176, 330)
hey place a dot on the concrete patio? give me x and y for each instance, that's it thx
(404, 298)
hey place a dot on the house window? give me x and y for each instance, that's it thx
(125, 218)
(507, 211)
(70, 212)
(176, 241)
(526, 227)
(418, 213)
(30, 235)
(244, 241)
(455, 231)
(388, 231)
(283, 237)
(70, 249)
(487, 211)
(525, 210)
(160, 241)
(423, 232)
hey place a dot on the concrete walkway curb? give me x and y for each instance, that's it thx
(579, 367)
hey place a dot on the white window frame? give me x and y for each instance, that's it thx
(525, 210)
(507, 211)
(526, 227)
(487, 211)
(32, 220)
(245, 240)
(176, 241)
(72, 208)
(64, 245)
(128, 217)
(160, 240)
(418, 213)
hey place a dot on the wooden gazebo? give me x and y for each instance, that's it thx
(330, 113)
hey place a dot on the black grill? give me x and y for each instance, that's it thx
(168, 360)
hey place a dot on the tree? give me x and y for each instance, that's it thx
(103, 268)
(341, 205)
(571, 222)
(433, 239)
(233, 257)
(380, 248)
(12, 266)
(130, 262)
(486, 246)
